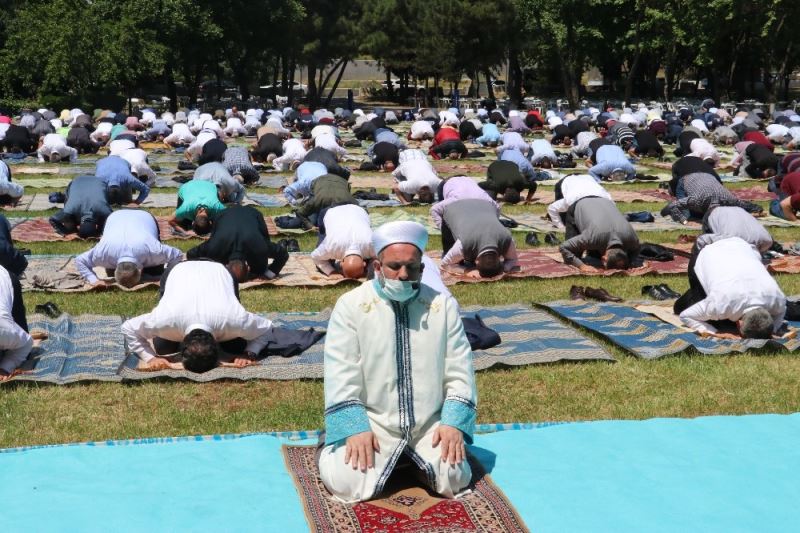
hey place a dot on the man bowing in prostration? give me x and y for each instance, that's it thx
(399, 382)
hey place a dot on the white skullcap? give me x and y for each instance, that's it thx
(513, 113)
(56, 123)
(400, 232)
(794, 118)
(737, 120)
(713, 110)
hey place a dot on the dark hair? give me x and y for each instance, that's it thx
(87, 228)
(201, 224)
(489, 264)
(617, 258)
(238, 269)
(200, 351)
(511, 196)
(425, 195)
(114, 194)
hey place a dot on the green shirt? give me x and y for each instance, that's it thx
(194, 194)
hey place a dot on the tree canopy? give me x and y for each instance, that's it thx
(642, 48)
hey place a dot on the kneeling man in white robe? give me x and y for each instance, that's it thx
(398, 378)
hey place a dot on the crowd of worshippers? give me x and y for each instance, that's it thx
(430, 416)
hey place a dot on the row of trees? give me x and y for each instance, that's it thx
(641, 47)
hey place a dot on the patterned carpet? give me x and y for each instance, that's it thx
(648, 337)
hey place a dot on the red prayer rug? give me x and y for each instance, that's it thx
(404, 507)
(39, 230)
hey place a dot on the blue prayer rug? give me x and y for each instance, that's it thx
(648, 337)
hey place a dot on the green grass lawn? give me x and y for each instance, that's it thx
(682, 386)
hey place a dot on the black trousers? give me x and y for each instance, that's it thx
(18, 305)
(696, 292)
(448, 240)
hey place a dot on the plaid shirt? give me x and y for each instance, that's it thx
(237, 161)
(703, 191)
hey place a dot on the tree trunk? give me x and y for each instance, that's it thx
(489, 89)
(172, 90)
(284, 75)
(312, 84)
(516, 78)
(341, 64)
(342, 68)
(290, 94)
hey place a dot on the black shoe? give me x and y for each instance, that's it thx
(292, 245)
(24, 251)
(532, 238)
(576, 293)
(654, 292)
(50, 309)
(283, 243)
(664, 288)
(551, 238)
(665, 210)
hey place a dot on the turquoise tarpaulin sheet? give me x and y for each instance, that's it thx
(707, 474)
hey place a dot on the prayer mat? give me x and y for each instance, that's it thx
(404, 506)
(81, 348)
(618, 195)
(788, 264)
(751, 194)
(43, 183)
(58, 273)
(39, 230)
(34, 169)
(33, 202)
(265, 200)
(649, 337)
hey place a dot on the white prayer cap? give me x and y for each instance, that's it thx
(737, 120)
(713, 110)
(56, 123)
(513, 113)
(358, 112)
(482, 112)
(549, 113)
(400, 232)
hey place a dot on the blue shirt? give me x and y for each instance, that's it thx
(489, 133)
(306, 173)
(525, 166)
(610, 158)
(116, 172)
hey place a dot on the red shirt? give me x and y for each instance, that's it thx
(791, 183)
(446, 134)
(759, 138)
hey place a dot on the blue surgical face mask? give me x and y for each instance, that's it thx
(398, 290)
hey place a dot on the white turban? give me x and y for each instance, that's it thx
(400, 232)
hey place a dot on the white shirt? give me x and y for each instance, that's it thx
(14, 341)
(418, 173)
(130, 235)
(574, 188)
(777, 132)
(410, 155)
(180, 134)
(119, 146)
(8, 187)
(233, 123)
(554, 121)
(420, 129)
(197, 295)
(196, 148)
(432, 277)
(347, 232)
(54, 143)
(703, 149)
(735, 281)
(322, 129)
(137, 158)
(328, 141)
(293, 150)
(700, 125)
(148, 117)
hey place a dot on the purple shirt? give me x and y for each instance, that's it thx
(459, 188)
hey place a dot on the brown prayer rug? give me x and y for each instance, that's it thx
(404, 507)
